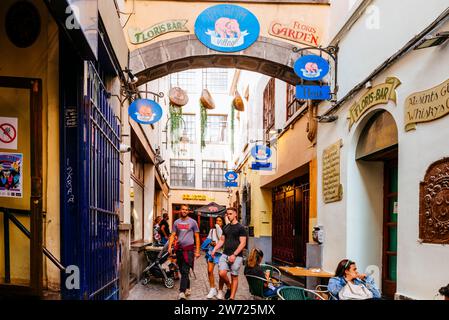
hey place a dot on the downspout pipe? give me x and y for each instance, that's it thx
(409, 46)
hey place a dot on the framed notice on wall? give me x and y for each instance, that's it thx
(332, 189)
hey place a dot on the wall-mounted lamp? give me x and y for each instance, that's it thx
(158, 158)
(124, 148)
(132, 79)
(275, 131)
(433, 40)
(327, 119)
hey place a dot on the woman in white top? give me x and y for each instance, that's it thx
(214, 236)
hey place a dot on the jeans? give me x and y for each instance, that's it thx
(184, 268)
(272, 292)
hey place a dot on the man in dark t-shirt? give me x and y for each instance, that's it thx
(164, 229)
(234, 241)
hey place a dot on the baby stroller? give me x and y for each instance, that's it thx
(154, 269)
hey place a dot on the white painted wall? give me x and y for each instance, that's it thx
(148, 201)
(348, 224)
(280, 101)
(387, 27)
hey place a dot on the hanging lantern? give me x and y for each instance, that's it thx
(206, 100)
(237, 102)
(178, 97)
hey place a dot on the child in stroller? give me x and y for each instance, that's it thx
(155, 269)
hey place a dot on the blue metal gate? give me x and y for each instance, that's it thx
(91, 185)
(103, 160)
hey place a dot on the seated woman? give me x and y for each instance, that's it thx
(253, 268)
(444, 291)
(348, 284)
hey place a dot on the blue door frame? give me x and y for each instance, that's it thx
(90, 159)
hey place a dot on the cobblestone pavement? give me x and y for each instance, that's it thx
(156, 290)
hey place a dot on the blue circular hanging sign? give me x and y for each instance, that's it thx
(261, 152)
(311, 67)
(145, 111)
(227, 28)
(231, 175)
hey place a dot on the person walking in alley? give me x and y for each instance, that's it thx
(187, 231)
(214, 236)
(234, 241)
(164, 229)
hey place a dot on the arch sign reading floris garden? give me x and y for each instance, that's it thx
(255, 37)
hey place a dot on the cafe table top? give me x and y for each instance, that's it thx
(306, 272)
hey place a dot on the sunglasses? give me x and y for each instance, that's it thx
(348, 263)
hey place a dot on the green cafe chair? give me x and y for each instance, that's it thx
(298, 293)
(256, 287)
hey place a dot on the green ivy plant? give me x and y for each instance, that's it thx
(203, 125)
(232, 126)
(175, 124)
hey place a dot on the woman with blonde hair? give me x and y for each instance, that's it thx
(253, 268)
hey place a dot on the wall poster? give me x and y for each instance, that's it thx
(11, 166)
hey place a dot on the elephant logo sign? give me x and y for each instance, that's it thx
(227, 28)
(311, 70)
(311, 67)
(227, 33)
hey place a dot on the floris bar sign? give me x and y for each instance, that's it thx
(136, 36)
(379, 94)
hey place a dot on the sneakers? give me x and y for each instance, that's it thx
(182, 296)
(228, 294)
(212, 293)
(220, 295)
(188, 292)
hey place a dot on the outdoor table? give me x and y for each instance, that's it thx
(306, 272)
(314, 276)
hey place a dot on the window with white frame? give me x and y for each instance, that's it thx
(213, 174)
(216, 80)
(190, 127)
(182, 173)
(186, 80)
(216, 131)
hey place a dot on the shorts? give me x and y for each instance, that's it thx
(215, 260)
(234, 267)
(209, 257)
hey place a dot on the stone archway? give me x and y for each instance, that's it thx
(267, 56)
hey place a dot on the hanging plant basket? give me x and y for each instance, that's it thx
(237, 102)
(232, 126)
(203, 124)
(175, 124)
(206, 100)
(178, 97)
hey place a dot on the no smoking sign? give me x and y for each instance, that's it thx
(8, 133)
